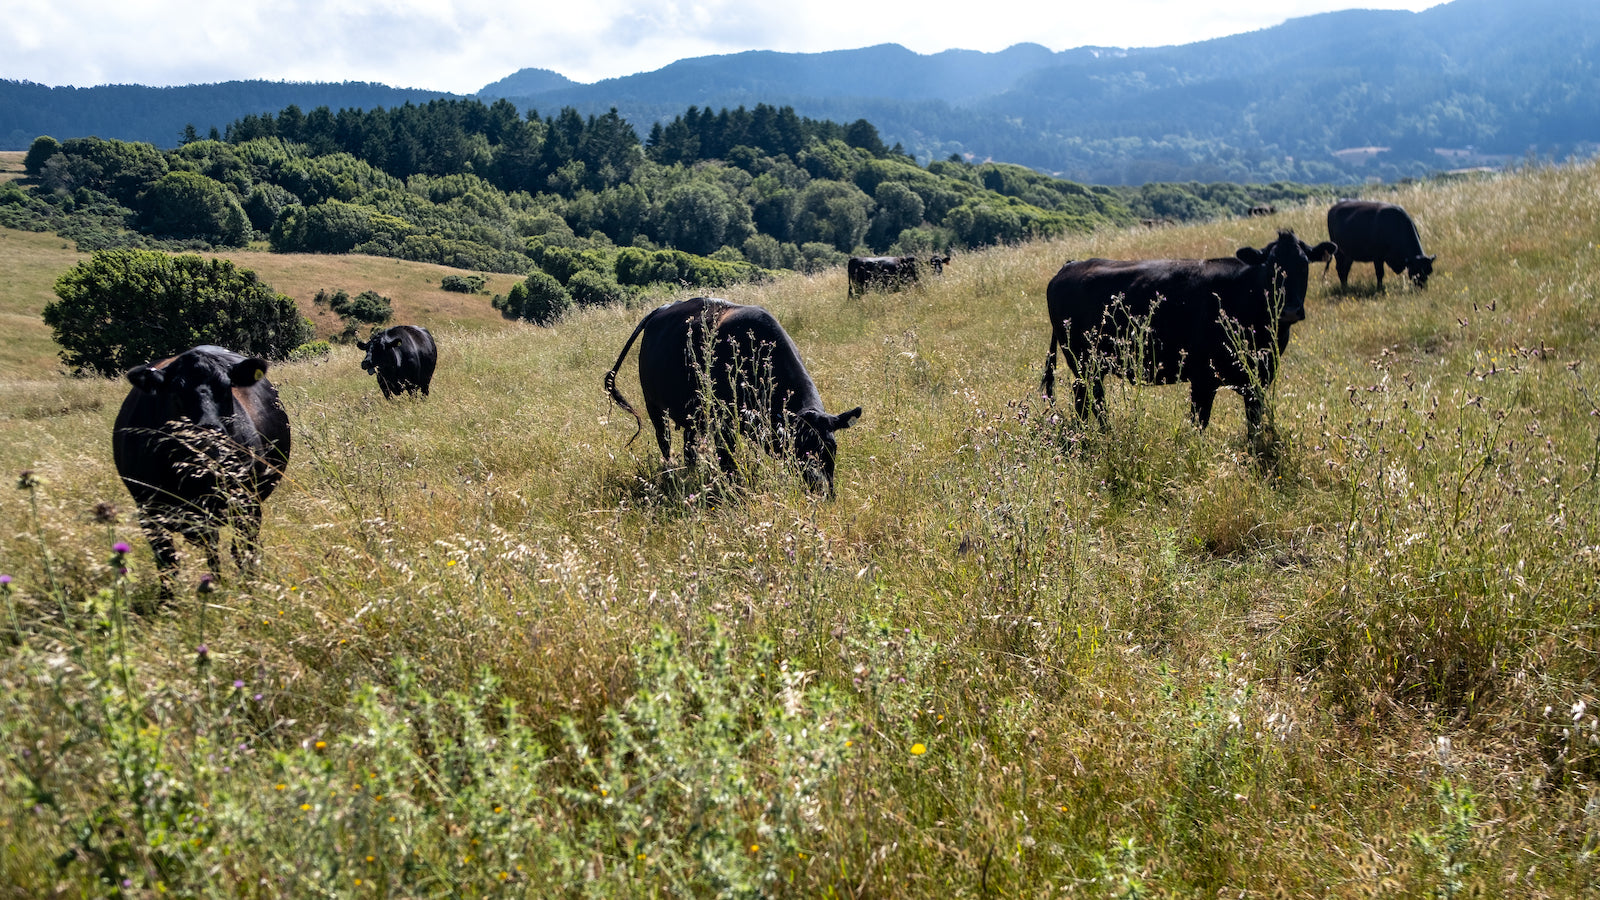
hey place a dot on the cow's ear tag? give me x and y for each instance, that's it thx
(260, 374)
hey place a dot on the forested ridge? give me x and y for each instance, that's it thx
(706, 199)
(1465, 83)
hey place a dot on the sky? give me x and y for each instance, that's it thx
(462, 45)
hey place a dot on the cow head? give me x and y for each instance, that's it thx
(938, 263)
(1289, 260)
(1419, 268)
(816, 448)
(382, 345)
(198, 387)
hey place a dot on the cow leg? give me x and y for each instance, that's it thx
(1081, 390)
(1254, 416)
(1047, 384)
(1378, 267)
(1342, 264)
(165, 550)
(726, 434)
(1202, 395)
(209, 537)
(658, 419)
(247, 537)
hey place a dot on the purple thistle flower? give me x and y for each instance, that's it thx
(202, 654)
(237, 683)
(5, 580)
(120, 547)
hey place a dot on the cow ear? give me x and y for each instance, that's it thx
(1323, 251)
(248, 372)
(843, 420)
(146, 379)
(1251, 255)
(362, 345)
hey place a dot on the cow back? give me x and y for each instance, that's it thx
(1370, 231)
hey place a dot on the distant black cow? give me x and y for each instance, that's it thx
(758, 385)
(888, 272)
(402, 357)
(1170, 320)
(201, 441)
(1263, 210)
(1379, 233)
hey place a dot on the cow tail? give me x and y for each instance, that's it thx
(611, 380)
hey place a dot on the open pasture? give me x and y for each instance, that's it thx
(493, 651)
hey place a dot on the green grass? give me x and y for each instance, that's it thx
(1015, 657)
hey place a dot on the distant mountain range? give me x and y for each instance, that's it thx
(1335, 97)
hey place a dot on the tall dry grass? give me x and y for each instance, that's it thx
(1016, 656)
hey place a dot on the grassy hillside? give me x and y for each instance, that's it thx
(494, 650)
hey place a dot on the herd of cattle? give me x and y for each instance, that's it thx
(203, 439)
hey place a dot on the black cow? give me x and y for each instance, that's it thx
(1263, 210)
(758, 385)
(201, 441)
(1170, 320)
(403, 358)
(1379, 233)
(888, 272)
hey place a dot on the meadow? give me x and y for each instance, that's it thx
(495, 650)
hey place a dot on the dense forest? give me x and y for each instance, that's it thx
(1334, 98)
(708, 198)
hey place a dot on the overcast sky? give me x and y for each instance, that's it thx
(463, 45)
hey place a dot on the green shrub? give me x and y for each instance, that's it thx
(464, 284)
(590, 288)
(122, 308)
(540, 299)
(310, 350)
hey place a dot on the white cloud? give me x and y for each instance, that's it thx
(461, 45)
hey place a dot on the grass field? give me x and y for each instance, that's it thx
(495, 651)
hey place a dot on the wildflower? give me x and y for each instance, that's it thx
(202, 655)
(105, 513)
(918, 749)
(305, 807)
(237, 684)
(755, 848)
(120, 548)
(322, 745)
(27, 480)
(281, 786)
(207, 584)
(5, 583)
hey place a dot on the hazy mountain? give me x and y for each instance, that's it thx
(1485, 80)
(157, 115)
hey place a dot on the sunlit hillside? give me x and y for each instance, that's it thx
(495, 650)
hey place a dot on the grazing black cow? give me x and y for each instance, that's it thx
(402, 357)
(1379, 233)
(201, 441)
(888, 272)
(1263, 210)
(758, 385)
(1170, 320)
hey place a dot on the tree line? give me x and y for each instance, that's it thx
(707, 199)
